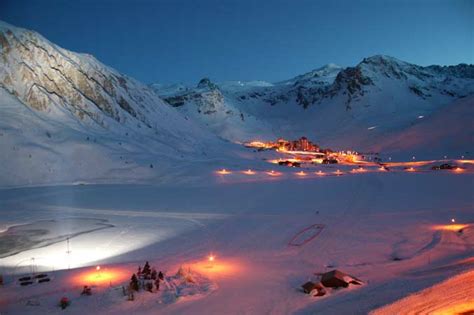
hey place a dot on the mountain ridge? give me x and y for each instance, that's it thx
(377, 86)
(66, 111)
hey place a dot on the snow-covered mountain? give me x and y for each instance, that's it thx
(67, 117)
(213, 108)
(343, 107)
(64, 113)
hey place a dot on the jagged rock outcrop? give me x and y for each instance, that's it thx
(208, 104)
(50, 79)
(65, 117)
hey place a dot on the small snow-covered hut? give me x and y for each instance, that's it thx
(337, 279)
(314, 289)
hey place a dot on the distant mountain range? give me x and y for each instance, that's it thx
(334, 105)
(67, 116)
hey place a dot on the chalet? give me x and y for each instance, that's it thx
(337, 279)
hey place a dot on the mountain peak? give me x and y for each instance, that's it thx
(329, 66)
(382, 60)
(206, 83)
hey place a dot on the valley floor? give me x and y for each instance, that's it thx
(391, 230)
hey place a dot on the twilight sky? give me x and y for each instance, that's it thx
(182, 41)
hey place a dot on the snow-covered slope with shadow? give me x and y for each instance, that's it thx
(67, 117)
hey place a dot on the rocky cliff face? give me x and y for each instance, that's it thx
(66, 117)
(52, 80)
(209, 105)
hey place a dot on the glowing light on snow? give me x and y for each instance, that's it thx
(301, 173)
(223, 172)
(381, 168)
(411, 163)
(249, 172)
(411, 169)
(462, 308)
(458, 169)
(260, 145)
(106, 276)
(421, 116)
(222, 267)
(84, 251)
(320, 173)
(453, 226)
(273, 173)
(466, 161)
(338, 172)
(318, 161)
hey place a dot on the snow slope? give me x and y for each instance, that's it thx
(447, 131)
(453, 296)
(208, 105)
(385, 228)
(66, 117)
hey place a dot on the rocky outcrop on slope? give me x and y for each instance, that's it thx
(50, 79)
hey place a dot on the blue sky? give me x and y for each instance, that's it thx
(183, 41)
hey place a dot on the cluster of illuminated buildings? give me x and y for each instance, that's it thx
(303, 151)
(302, 144)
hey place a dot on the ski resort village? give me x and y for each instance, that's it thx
(244, 176)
